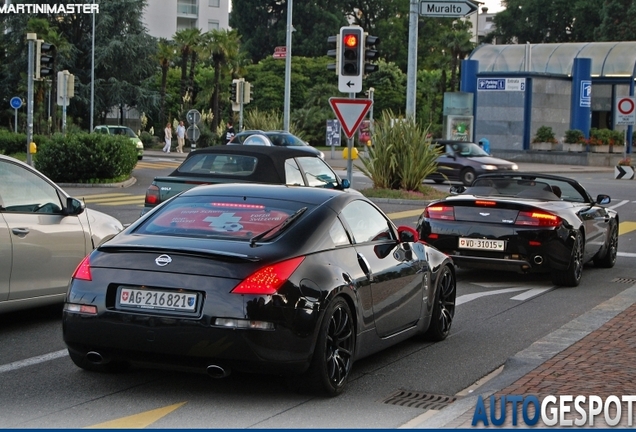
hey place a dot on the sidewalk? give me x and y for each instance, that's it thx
(594, 354)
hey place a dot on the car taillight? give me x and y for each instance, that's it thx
(152, 195)
(83, 270)
(440, 212)
(268, 279)
(537, 218)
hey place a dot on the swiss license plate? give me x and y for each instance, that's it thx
(156, 300)
(481, 244)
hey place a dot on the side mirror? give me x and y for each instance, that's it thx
(408, 234)
(456, 190)
(603, 199)
(345, 184)
(74, 207)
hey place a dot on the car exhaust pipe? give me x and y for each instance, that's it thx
(216, 371)
(94, 357)
(538, 259)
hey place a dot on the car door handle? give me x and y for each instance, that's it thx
(364, 265)
(20, 231)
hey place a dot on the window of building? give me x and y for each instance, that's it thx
(213, 25)
(214, 3)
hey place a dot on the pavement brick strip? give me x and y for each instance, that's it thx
(603, 364)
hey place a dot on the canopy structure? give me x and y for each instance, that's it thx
(609, 59)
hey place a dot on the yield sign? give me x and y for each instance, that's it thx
(350, 112)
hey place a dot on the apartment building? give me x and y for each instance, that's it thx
(164, 18)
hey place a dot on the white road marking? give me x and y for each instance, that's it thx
(531, 293)
(619, 204)
(32, 361)
(627, 254)
(470, 297)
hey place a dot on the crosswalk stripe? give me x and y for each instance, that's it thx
(116, 199)
(139, 202)
(99, 196)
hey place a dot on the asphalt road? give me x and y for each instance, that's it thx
(498, 314)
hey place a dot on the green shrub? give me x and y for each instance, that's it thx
(148, 140)
(544, 134)
(13, 143)
(87, 158)
(401, 156)
(574, 136)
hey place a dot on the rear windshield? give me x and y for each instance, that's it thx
(220, 217)
(231, 164)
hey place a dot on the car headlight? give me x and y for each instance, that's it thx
(514, 167)
(489, 167)
(140, 144)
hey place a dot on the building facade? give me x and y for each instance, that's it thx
(163, 18)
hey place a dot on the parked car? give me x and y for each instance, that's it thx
(44, 234)
(526, 223)
(244, 164)
(267, 278)
(125, 131)
(276, 138)
(464, 161)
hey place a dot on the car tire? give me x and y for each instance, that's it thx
(609, 257)
(571, 277)
(140, 157)
(81, 361)
(438, 181)
(467, 176)
(444, 307)
(335, 347)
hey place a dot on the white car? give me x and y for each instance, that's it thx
(44, 234)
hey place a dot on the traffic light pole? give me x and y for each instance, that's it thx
(31, 38)
(350, 151)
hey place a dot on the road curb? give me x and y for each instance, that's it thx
(459, 414)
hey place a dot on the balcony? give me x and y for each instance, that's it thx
(187, 8)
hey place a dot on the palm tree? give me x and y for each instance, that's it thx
(187, 40)
(164, 56)
(223, 49)
(459, 44)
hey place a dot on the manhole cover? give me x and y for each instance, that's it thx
(419, 400)
(624, 280)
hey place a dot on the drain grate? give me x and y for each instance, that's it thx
(419, 400)
(625, 280)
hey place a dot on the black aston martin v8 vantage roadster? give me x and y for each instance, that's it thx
(524, 222)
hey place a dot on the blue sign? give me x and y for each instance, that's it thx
(491, 84)
(586, 94)
(16, 102)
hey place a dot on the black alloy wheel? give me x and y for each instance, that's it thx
(572, 276)
(444, 308)
(611, 251)
(333, 356)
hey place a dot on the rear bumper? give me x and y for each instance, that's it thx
(526, 250)
(186, 344)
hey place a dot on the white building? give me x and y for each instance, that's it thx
(164, 18)
(482, 24)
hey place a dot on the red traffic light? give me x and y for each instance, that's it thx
(350, 40)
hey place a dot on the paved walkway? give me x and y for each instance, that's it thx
(595, 354)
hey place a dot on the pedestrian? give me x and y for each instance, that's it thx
(181, 130)
(229, 132)
(168, 137)
(485, 145)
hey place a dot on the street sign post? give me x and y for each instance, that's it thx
(625, 111)
(280, 52)
(447, 8)
(16, 104)
(350, 112)
(193, 133)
